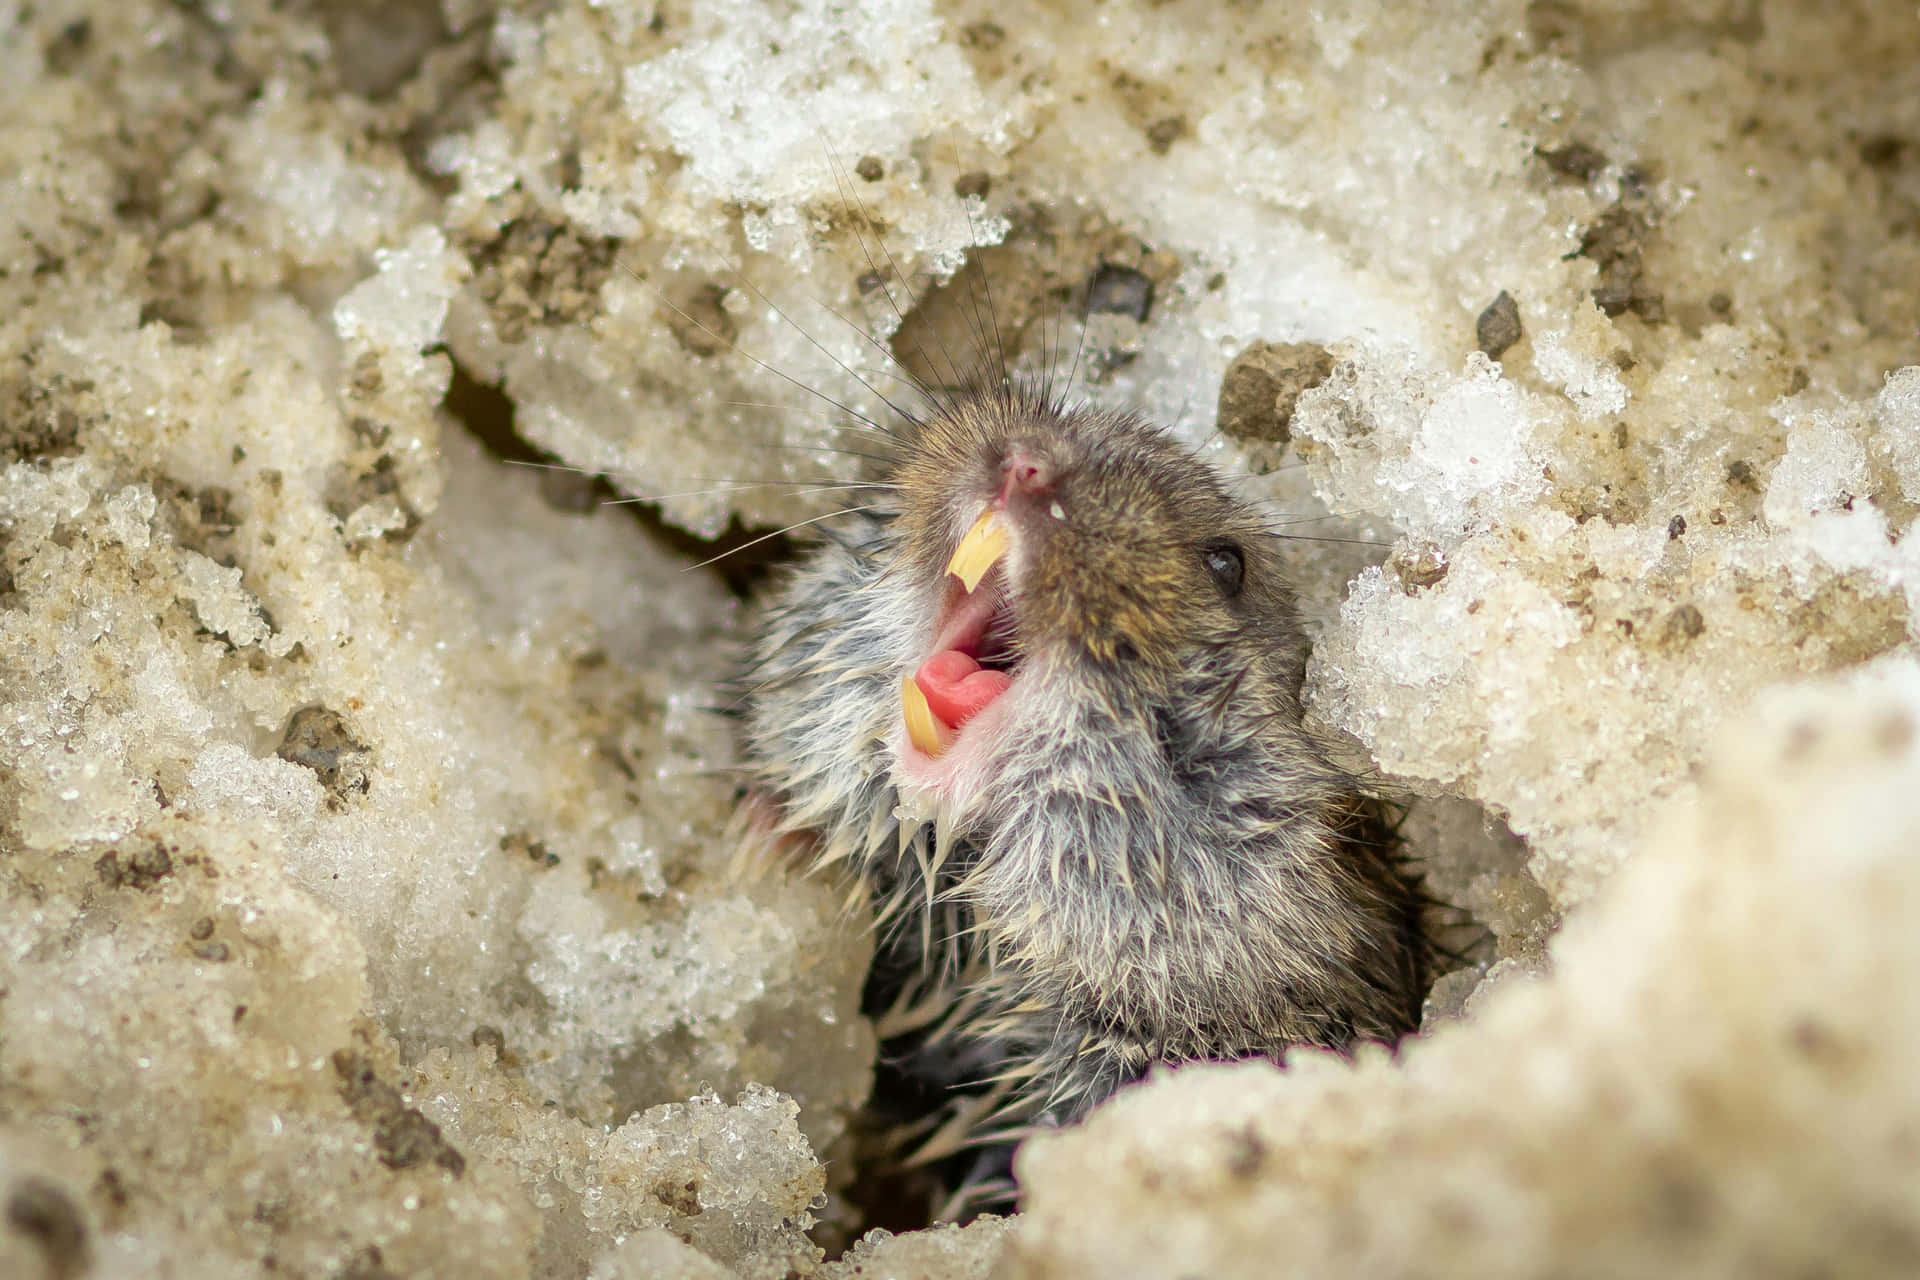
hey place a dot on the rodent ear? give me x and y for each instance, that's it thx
(1226, 564)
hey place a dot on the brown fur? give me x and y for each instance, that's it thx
(1165, 864)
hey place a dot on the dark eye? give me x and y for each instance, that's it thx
(1226, 564)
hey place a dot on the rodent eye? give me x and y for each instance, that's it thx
(1227, 565)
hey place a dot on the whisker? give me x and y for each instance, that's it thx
(1245, 477)
(553, 466)
(888, 459)
(820, 485)
(1324, 515)
(744, 486)
(1180, 414)
(768, 537)
(1349, 542)
(728, 486)
(851, 453)
(848, 191)
(1050, 334)
(882, 458)
(778, 373)
(986, 283)
(1052, 325)
(921, 387)
(971, 314)
(869, 370)
(819, 346)
(1080, 343)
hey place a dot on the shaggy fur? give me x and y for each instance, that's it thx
(1159, 863)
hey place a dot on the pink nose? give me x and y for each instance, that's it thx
(1026, 470)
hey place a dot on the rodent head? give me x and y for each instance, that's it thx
(1087, 541)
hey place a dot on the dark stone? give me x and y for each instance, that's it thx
(1498, 327)
(1122, 291)
(1575, 162)
(1264, 384)
(701, 323)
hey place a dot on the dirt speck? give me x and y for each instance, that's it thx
(700, 322)
(523, 845)
(1886, 151)
(401, 1135)
(45, 1214)
(1617, 242)
(1118, 290)
(1498, 327)
(320, 739)
(487, 1034)
(1418, 567)
(538, 272)
(1575, 162)
(983, 35)
(368, 1264)
(682, 1198)
(141, 869)
(975, 182)
(1683, 625)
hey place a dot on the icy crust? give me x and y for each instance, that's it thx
(636, 316)
(718, 204)
(1678, 1094)
(366, 903)
(489, 875)
(364, 899)
(944, 1252)
(1559, 660)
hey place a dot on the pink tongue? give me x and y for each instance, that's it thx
(957, 688)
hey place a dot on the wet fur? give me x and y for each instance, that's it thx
(1167, 866)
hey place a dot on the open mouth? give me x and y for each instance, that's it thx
(974, 654)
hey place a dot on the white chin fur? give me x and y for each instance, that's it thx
(946, 787)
